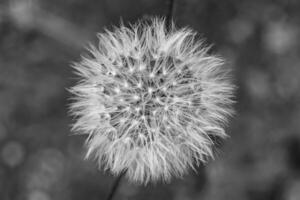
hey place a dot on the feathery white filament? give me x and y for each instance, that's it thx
(150, 101)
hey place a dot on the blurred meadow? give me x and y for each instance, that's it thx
(40, 159)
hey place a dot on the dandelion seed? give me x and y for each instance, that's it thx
(126, 85)
(151, 75)
(156, 119)
(117, 90)
(136, 97)
(142, 67)
(139, 85)
(150, 90)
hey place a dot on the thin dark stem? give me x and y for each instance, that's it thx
(115, 185)
(169, 15)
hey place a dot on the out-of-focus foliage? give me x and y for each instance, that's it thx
(40, 160)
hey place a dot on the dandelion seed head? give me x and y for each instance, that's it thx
(150, 100)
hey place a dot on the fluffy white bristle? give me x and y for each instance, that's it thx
(150, 100)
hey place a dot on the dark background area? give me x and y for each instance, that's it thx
(40, 159)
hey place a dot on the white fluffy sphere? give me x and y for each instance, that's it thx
(150, 100)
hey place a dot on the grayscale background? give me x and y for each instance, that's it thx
(40, 159)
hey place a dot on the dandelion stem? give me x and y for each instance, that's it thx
(169, 15)
(115, 185)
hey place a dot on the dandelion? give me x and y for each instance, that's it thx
(150, 101)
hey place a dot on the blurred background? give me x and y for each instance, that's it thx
(40, 159)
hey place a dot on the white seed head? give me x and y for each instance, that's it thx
(150, 101)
